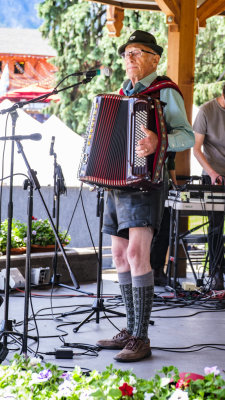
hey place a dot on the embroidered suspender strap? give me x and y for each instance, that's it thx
(163, 141)
(157, 85)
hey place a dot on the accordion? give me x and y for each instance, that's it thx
(114, 129)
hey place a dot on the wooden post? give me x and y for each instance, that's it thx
(181, 65)
(115, 16)
(180, 68)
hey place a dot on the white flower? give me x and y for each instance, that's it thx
(179, 395)
(164, 381)
(34, 361)
(85, 395)
(65, 389)
(6, 393)
(132, 380)
(212, 370)
(148, 396)
(34, 233)
(67, 376)
(43, 376)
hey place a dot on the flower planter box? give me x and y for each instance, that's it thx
(83, 263)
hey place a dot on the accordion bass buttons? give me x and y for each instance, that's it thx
(85, 158)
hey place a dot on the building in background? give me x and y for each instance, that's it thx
(26, 70)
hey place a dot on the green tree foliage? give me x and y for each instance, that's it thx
(210, 60)
(77, 31)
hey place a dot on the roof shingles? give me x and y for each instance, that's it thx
(24, 41)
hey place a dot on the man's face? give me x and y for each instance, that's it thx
(142, 65)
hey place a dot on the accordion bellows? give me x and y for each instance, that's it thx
(114, 129)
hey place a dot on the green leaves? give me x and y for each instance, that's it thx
(18, 233)
(41, 234)
(210, 61)
(27, 379)
(77, 31)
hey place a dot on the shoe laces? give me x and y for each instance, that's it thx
(121, 334)
(133, 343)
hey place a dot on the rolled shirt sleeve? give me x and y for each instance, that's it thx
(180, 132)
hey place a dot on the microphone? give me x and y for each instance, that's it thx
(52, 145)
(105, 71)
(33, 136)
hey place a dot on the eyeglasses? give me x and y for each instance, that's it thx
(135, 53)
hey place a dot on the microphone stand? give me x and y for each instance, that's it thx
(98, 305)
(21, 104)
(6, 324)
(59, 188)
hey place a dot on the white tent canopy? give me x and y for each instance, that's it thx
(68, 147)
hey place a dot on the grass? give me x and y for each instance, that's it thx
(197, 220)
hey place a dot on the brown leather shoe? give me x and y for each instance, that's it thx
(118, 341)
(135, 350)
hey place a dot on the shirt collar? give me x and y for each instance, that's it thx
(140, 85)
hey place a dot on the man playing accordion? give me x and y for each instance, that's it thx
(131, 217)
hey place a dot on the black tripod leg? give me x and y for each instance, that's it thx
(98, 305)
(36, 185)
(84, 321)
(6, 324)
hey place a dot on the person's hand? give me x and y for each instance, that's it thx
(216, 179)
(147, 145)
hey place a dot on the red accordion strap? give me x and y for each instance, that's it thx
(158, 84)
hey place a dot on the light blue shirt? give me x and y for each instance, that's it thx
(180, 133)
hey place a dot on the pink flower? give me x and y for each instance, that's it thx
(212, 370)
(126, 390)
(182, 383)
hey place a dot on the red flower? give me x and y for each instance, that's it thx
(126, 390)
(182, 383)
(34, 219)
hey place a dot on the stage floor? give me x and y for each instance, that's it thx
(185, 331)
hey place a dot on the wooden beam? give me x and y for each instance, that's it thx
(169, 6)
(180, 67)
(208, 9)
(132, 5)
(114, 23)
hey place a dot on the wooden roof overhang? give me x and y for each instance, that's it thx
(205, 8)
(183, 17)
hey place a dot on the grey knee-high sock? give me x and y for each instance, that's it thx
(143, 292)
(125, 283)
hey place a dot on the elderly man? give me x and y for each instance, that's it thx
(131, 217)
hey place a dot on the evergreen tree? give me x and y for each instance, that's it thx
(210, 60)
(77, 31)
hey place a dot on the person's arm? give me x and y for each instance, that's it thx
(172, 174)
(197, 150)
(180, 133)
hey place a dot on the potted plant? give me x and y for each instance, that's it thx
(28, 378)
(18, 233)
(42, 235)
